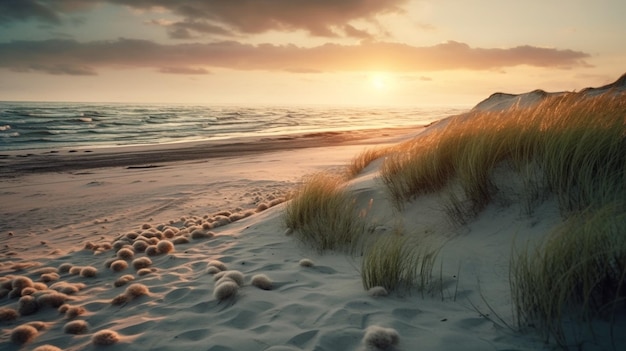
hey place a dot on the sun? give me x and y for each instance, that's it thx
(379, 81)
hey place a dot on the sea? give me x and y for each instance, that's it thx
(51, 125)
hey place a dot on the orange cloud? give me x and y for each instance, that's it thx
(183, 70)
(72, 57)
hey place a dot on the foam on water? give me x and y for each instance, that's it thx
(38, 125)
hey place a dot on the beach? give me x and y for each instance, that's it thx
(359, 175)
(167, 181)
(185, 246)
(52, 216)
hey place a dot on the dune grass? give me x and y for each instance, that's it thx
(397, 262)
(575, 142)
(364, 159)
(576, 276)
(323, 214)
(571, 147)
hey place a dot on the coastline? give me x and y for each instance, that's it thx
(123, 186)
(19, 162)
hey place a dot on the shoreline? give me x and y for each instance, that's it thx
(139, 183)
(15, 163)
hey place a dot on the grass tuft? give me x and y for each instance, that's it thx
(76, 327)
(23, 334)
(105, 337)
(364, 159)
(397, 262)
(322, 214)
(575, 276)
(262, 281)
(379, 338)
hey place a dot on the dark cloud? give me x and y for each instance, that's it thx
(48, 11)
(318, 17)
(180, 33)
(225, 17)
(350, 31)
(72, 57)
(22, 10)
(188, 30)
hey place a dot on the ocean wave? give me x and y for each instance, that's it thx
(10, 135)
(164, 115)
(126, 122)
(36, 133)
(46, 125)
(89, 113)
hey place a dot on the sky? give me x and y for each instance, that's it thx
(305, 52)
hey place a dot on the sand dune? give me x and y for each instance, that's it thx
(322, 307)
(504, 101)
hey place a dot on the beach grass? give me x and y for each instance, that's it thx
(575, 142)
(397, 262)
(570, 146)
(323, 214)
(365, 158)
(576, 276)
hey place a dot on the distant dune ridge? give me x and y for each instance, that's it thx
(504, 101)
(70, 279)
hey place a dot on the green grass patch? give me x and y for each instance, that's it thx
(576, 276)
(397, 262)
(324, 215)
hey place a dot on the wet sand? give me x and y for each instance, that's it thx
(16, 163)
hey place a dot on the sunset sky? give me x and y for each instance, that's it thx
(348, 52)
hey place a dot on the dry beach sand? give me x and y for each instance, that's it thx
(62, 213)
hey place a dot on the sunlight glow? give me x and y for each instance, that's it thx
(380, 81)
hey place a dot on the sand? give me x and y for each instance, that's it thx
(15, 163)
(62, 208)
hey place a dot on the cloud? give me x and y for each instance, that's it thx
(187, 30)
(49, 11)
(320, 17)
(353, 32)
(426, 27)
(327, 18)
(61, 69)
(72, 57)
(183, 70)
(23, 10)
